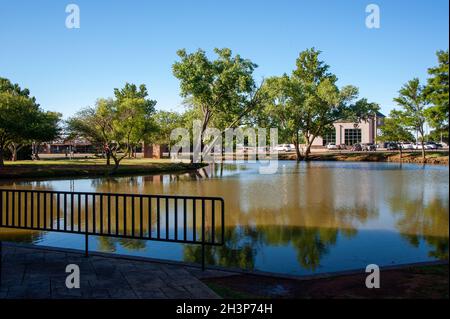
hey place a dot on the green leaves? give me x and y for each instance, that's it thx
(21, 119)
(309, 100)
(436, 92)
(217, 87)
(118, 123)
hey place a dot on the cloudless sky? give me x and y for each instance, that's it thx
(136, 41)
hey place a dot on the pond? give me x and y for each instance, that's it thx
(307, 218)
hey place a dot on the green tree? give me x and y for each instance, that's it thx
(219, 88)
(309, 100)
(413, 101)
(394, 131)
(22, 120)
(119, 124)
(166, 122)
(436, 92)
(284, 100)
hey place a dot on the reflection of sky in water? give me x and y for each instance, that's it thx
(306, 218)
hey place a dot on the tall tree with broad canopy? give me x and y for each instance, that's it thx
(413, 102)
(222, 88)
(309, 101)
(436, 92)
(393, 130)
(21, 119)
(118, 124)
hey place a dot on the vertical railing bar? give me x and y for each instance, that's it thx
(93, 214)
(7, 208)
(167, 218)
(141, 212)
(79, 213)
(58, 208)
(32, 209)
(203, 234)
(86, 212)
(38, 209)
(101, 213)
(213, 221)
(194, 221)
(25, 216)
(45, 209)
(158, 230)
(203, 220)
(132, 215)
(223, 221)
(65, 212)
(109, 213)
(13, 208)
(86, 224)
(72, 211)
(124, 215)
(19, 209)
(149, 217)
(51, 210)
(176, 218)
(117, 214)
(185, 218)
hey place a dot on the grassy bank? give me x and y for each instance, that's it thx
(407, 282)
(89, 168)
(439, 157)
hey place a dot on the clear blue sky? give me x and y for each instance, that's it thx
(136, 41)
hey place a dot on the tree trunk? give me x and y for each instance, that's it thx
(297, 147)
(423, 146)
(14, 152)
(108, 158)
(116, 163)
(307, 151)
(423, 150)
(401, 153)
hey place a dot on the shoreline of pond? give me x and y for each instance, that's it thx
(31, 171)
(439, 157)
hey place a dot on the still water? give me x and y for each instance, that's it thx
(307, 218)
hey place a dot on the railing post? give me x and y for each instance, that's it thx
(203, 235)
(86, 225)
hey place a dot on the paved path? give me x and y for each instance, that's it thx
(35, 272)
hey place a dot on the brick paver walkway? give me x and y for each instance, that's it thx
(34, 272)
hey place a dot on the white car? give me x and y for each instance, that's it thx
(283, 148)
(331, 146)
(407, 146)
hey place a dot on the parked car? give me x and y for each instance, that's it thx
(356, 147)
(283, 148)
(431, 146)
(392, 146)
(407, 146)
(368, 147)
(332, 146)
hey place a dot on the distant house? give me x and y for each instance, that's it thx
(349, 133)
(69, 145)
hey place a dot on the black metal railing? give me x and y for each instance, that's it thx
(168, 218)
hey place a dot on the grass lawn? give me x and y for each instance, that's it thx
(52, 168)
